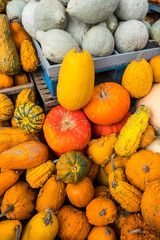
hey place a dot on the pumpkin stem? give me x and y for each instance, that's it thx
(138, 230)
(18, 232)
(48, 219)
(78, 49)
(58, 178)
(8, 210)
(103, 212)
(139, 57)
(146, 169)
(107, 231)
(112, 162)
(55, 161)
(75, 168)
(114, 184)
(102, 94)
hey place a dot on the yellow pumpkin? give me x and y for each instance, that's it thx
(76, 79)
(10, 229)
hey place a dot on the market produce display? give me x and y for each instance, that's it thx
(88, 169)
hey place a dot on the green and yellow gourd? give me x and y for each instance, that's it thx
(10, 61)
(6, 108)
(131, 133)
(29, 117)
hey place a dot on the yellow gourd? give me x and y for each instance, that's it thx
(10, 230)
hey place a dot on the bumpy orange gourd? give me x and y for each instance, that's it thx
(155, 64)
(119, 162)
(80, 194)
(76, 79)
(5, 81)
(103, 233)
(52, 194)
(147, 136)
(150, 205)
(122, 215)
(142, 168)
(135, 228)
(19, 34)
(28, 56)
(101, 211)
(73, 223)
(6, 108)
(93, 170)
(10, 229)
(20, 78)
(26, 95)
(7, 179)
(18, 201)
(138, 78)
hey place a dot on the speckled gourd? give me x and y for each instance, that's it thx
(130, 135)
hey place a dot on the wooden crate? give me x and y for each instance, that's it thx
(45, 99)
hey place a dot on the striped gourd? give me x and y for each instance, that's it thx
(37, 176)
(6, 108)
(29, 117)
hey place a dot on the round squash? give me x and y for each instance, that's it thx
(6, 81)
(155, 31)
(20, 79)
(75, 87)
(108, 105)
(10, 229)
(155, 64)
(103, 233)
(6, 108)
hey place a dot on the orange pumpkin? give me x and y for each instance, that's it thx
(7, 179)
(5, 81)
(21, 78)
(109, 104)
(155, 64)
(102, 191)
(102, 233)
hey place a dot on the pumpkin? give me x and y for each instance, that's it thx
(101, 211)
(119, 162)
(43, 225)
(29, 117)
(18, 202)
(14, 10)
(102, 177)
(147, 137)
(24, 155)
(19, 34)
(155, 63)
(10, 137)
(4, 124)
(103, 130)
(103, 233)
(143, 168)
(71, 94)
(6, 107)
(28, 56)
(131, 133)
(101, 149)
(10, 229)
(108, 105)
(81, 193)
(20, 78)
(10, 61)
(52, 194)
(136, 228)
(3, 4)
(66, 130)
(5, 81)
(26, 95)
(150, 101)
(102, 191)
(154, 31)
(7, 179)
(137, 78)
(150, 205)
(93, 170)
(73, 223)
(72, 167)
(37, 176)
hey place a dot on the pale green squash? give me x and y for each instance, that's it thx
(155, 31)
(112, 23)
(14, 9)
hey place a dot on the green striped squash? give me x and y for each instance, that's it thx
(29, 117)
(72, 167)
(6, 108)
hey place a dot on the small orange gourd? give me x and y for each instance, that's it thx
(102, 233)
(155, 64)
(6, 107)
(10, 230)
(5, 81)
(102, 191)
(93, 170)
(7, 179)
(20, 78)
(147, 136)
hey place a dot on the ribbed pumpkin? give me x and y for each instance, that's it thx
(5, 81)
(43, 225)
(131, 133)
(29, 117)
(37, 176)
(28, 56)
(101, 149)
(26, 95)
(10, 60)
(102, 191)
(103, 233)
(138, 78)
(136, 228)
(6, 108)
(73, 224)
(24, 155)
(142, 168)
(66, 130)
(101, 211)
(147, 137)
(155, 64)
(76, 79)
(10, 230)
(18, 202)
(52, 194)
(119, 162)
(7, 179)
(81, 193)
(20, 78)
(108, 105)
(72, 167)
(150, 205)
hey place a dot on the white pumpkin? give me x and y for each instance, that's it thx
(50, 14)
(64, 2)
(14, 10)
(148, 26)
(132, 9)
(131, 35)
(155, 31)
(92, 11)
(28, 18)
(77, 29)
(55, 44)
(112, 23)
(98, 41)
